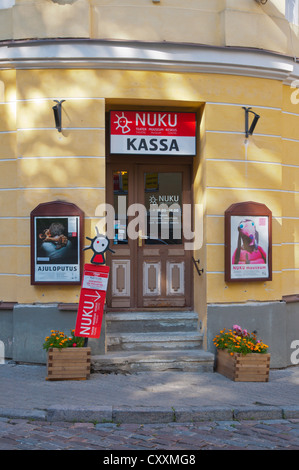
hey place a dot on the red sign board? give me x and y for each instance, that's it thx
(92, 300)
(152, 132)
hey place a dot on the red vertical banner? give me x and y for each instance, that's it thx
(92, 300)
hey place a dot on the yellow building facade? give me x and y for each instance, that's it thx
(212, 58)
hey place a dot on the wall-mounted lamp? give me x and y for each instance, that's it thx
(253, 124)
(57, 114)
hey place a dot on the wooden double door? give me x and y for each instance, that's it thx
(150, 267)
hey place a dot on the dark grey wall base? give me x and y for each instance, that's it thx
(276, 323)
(23, 329)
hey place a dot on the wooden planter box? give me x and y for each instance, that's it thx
(249, 368)
(68, 364)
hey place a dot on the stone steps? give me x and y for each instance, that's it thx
(153, 340)
(151, 321)
(156, 361)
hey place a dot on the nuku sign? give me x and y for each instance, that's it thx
(93, 290)
(92, 300)
(152, 133)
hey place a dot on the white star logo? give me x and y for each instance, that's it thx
(153, 200)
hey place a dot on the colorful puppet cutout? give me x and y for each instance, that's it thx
(99, 245)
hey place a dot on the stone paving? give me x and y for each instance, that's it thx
(25, 387)
(20, 434)
(147, 412)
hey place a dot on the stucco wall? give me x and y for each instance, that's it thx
(150, 54)
(39, 164)
(243, 23)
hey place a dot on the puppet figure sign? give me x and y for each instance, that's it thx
(99, 245)
(93, 290)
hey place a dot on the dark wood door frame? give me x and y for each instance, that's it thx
(135, 165)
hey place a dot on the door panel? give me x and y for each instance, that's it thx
(150, 268)
(119, 184)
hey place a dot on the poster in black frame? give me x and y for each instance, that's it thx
(56, 243)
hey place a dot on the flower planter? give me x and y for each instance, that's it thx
(68, 364)
(243, 368)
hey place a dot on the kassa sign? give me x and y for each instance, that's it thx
(92, 300)
(152, 133)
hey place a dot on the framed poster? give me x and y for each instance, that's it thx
(248, 242)
(56, 243)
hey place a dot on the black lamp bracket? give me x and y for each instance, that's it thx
(57, 114)
(249, 130)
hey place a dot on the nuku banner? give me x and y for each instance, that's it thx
(93, 290)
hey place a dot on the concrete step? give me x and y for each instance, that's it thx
(153, 341)
(143, 322)
(159, 361)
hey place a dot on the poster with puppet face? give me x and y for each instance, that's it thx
(249, 247)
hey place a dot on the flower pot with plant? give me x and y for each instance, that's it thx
(67, 358)
(241, 356)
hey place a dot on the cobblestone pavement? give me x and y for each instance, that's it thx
(21, 434)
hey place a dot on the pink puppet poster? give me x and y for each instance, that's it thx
(249, 247)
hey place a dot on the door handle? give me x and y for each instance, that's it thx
(141, 237)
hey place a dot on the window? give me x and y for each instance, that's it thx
(163, 202)
(292, 11)
(6, 4)
(120, 189)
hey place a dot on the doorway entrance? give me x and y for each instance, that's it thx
(149, 267)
